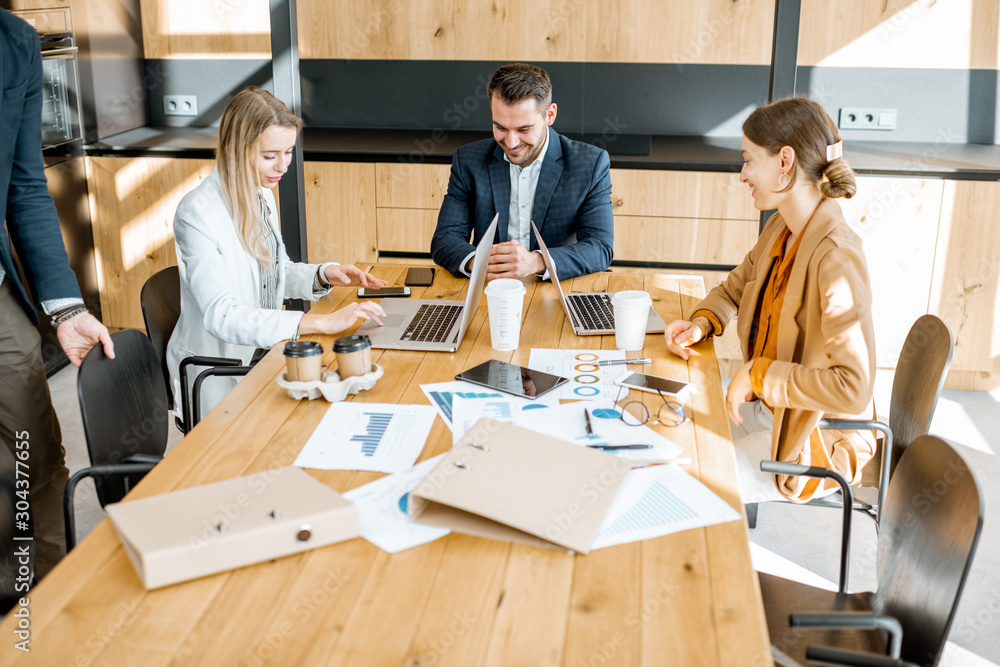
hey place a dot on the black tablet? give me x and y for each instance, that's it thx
(511, 379)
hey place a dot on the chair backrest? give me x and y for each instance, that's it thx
(923, 364)
(123, 402)
(161, 306)
(929, 531)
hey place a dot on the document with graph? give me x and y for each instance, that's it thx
(368, 436)
(658, 501)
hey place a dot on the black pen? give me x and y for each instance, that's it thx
(611, 447)
(616, 362)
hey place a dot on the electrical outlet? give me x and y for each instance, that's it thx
(857, 118)
(180, 105)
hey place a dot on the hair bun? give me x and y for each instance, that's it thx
(838, 180)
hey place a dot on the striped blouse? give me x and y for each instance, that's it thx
(269, 297)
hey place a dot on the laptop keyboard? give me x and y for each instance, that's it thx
(432, 323)
(593, 310)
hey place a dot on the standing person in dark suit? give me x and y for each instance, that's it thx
(529, 172)
(28, 422)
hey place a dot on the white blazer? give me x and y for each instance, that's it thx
(220, 290)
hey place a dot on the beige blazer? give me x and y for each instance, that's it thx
(826, 346)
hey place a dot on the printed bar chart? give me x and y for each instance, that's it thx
(378, 424)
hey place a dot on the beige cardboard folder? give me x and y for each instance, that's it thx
(207, 529)
(508, 483)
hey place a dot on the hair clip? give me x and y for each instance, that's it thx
(834, 151)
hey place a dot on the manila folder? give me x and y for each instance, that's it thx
(509, 483)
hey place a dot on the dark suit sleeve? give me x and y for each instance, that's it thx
(31, 213)
(450, 243)
(595, 228)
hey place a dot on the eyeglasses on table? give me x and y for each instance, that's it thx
(635, 413)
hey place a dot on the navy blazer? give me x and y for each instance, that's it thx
(24, 194)
(572, 207)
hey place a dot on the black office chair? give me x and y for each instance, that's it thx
(160, 300)
(925, 549)
(920, 373)
(125, 412)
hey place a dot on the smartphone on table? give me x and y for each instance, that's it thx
(384, 292)
(420, 276)
(655, 384)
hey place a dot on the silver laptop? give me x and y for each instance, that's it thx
(590, 313)
(432, 324)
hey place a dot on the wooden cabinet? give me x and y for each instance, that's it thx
(340, 212)
(965, 288)
(681, 216)
(409, 198)
(897, 219)
(627, 31)
(206, 29)
(132, 206)
(899, 34)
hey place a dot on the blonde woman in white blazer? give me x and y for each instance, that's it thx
(234, 271)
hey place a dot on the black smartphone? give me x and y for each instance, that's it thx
(419, 276)
(369, 293)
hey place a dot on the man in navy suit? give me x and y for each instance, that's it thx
(529, 172)
(28, 423)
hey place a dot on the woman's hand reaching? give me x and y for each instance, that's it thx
(331, 323)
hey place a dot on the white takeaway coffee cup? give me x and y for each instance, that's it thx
(631, 313)
(505, 301)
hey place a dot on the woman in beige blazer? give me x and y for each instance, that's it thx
(234, 271)
(802, 303)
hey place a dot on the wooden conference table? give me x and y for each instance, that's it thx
(690, 598)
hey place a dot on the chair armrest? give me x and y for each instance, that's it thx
(852, 621)
(796, 470)
(109, 470)
(835, 656)
(217, 371)
(183, 372)
(872, 425)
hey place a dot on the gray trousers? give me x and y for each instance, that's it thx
(26, 414)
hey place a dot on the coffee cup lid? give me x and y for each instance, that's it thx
(631, 298)
(505, 287)
(302, 348)
(351, 344)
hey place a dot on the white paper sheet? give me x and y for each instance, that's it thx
(586, 380)
(658, 501)
(382, 510)
(441, 394)
(568, 422)
(368, 436)
(466, 412)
